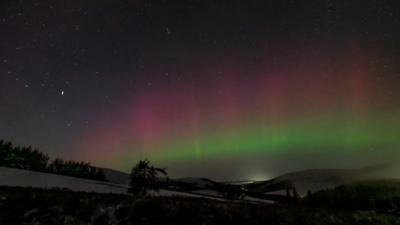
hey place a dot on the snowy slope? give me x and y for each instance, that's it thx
(26, 178)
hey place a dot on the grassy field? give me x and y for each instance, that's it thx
(37, 206)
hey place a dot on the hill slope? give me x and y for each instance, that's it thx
(115, 176)
(26, 178)
(319, 179)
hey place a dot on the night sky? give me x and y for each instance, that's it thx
(222, 89)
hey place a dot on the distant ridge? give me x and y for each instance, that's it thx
(115, 176)
(304, 181)
(318, 179)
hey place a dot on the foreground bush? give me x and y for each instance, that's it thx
(35, 206)
(382, 196)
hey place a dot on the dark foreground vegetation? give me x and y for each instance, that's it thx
(382, 196)
(32, 159)
(36, 206)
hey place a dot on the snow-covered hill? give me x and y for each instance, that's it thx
(26, 178)
(309, 180)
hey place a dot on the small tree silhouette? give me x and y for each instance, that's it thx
(144, 178)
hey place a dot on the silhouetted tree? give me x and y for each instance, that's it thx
(100, 175)
(144, 177)
(57, 166)
(5, 151)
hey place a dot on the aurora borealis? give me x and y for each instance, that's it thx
(227, 90)
(307, 106)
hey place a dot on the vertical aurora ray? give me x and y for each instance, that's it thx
(313, 104)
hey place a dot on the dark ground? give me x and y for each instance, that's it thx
(36, 206)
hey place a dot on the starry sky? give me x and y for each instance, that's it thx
(223, 89)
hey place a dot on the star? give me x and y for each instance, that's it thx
(62, 93)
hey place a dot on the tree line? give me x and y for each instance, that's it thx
(32, 159)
